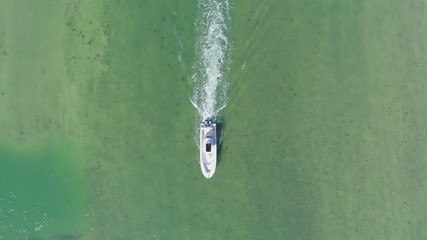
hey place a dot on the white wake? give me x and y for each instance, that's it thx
(213, 57)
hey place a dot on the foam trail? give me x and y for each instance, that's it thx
(213, 57)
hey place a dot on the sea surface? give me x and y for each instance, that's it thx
(322, 106)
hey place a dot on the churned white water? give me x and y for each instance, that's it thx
(213, 57)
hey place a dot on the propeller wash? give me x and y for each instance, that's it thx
(213, 58)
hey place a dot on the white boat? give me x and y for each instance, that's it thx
(208, 148)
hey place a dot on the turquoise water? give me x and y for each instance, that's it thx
(43, 192)
(324, 125)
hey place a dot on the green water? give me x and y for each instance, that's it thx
(324, 131)
(43, 192)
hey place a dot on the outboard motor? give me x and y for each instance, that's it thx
(208, 122)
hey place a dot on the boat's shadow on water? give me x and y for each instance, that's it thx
(220, 133)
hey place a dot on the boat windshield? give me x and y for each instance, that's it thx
(208, 147)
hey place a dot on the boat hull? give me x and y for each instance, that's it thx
(208, 148)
